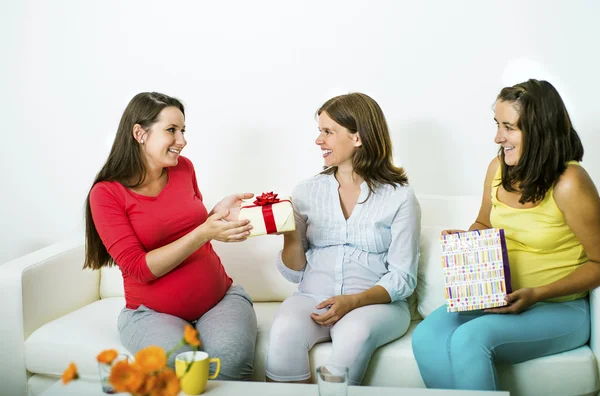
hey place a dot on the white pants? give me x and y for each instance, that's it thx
(354, 337)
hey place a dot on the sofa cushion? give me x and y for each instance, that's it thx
(76, 337)
(111, 282)
(451, 211)
(566, 374)
(430, 280)
(252, 264)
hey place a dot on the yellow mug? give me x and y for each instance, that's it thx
(193, 380)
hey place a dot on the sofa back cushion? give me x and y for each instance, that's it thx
(252, 263)
(111, 282)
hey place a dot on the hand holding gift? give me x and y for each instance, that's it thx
(232, 203)
(226, 231)
(269, 215)
(476, 269)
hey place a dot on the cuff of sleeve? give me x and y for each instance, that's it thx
(391, 290)
(289, 274)
(146, 273)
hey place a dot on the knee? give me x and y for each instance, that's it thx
(237, 357)
(235, 350)
(285, 347)
(237, 364)
(467, 341)
(360, 335)
(285, 364)
(287, 357)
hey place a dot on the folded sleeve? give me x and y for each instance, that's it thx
(403, 254)
(117, 234)
(289, 274)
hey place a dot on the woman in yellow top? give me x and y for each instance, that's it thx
(550, 211)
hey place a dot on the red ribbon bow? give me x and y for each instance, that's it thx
(266, 198)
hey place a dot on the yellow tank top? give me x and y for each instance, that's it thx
(541, 246)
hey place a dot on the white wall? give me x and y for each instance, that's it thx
(252, 74)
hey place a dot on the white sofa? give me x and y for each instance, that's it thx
(55, 313)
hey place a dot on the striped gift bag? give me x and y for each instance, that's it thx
(476, 269)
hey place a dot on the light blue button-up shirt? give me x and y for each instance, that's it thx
(377, 245)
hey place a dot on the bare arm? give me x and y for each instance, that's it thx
(577, 198)
(483, 218)
(293, 255)
(340, 305)
(375, 295)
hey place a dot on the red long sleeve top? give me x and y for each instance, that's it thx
(131, 225)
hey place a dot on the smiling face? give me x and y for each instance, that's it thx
(164, 140)
(508, 135)
(337, 143)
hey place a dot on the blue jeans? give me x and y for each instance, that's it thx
(458, 350)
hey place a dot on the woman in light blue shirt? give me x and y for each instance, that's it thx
(355, 249)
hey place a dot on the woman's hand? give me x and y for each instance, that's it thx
(448, 232)
(338, 307)
(215, 227)
(232, 203)
(518, 301)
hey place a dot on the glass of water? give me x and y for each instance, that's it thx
(104, 371)
(332, 380)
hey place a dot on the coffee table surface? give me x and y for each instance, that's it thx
(233, 388)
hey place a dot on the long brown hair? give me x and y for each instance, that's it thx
(549, 140)
(124, 164)
(373, 161)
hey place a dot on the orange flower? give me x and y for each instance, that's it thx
(107, 356)
(190, 336)
(126, 377)
(151, 359)
(70, 374)
(148, 385)
(167, 384)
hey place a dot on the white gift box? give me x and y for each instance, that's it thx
(277, 215)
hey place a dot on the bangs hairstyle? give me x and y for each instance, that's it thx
(549, 140)
(373, 161)
(124, 164)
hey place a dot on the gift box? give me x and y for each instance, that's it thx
(476, 269)
(269, 215)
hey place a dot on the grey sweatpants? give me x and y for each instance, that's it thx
(227, 331)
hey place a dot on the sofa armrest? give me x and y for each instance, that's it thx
(35, 289)
(595, 320)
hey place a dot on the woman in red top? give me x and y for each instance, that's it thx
(145, 213)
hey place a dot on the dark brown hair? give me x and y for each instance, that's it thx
(549, 140)
(373, 161)
(124, 164)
